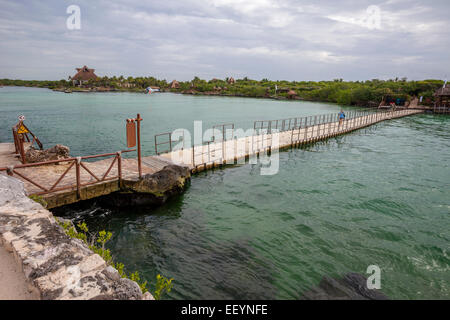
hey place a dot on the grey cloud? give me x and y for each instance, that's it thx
(293, 40)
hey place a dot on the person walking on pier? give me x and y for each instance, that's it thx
(341, 117)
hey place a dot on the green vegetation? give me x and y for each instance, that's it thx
(97, 244)
(38, 199)
(359, 93)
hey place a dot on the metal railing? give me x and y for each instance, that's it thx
(302, 129)
(76, 162)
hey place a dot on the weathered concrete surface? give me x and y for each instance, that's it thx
(8, 156)
(13, 285)
(55, 265)
(57, 152)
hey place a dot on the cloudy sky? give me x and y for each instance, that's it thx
(275, 39)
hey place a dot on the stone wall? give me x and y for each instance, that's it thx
(55, 265)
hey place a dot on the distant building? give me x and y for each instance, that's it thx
(291, 94)
(83, 75)
(442, 99)
(174, 85)
(231, 80)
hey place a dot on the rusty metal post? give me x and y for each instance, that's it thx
(119, 168)
(139, 119)
(10, 171)
(15, 140)
(77, 168)
(21, 149)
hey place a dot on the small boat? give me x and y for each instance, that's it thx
(150, 90)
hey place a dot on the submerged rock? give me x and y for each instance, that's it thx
(55, 153)
(352, 286)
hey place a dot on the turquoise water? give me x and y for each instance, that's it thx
(94, 123)
(376, 196)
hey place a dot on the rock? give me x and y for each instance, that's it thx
(112, 273)
(152, 189)
(352, 286)
(169, 178)
(125, 289)
(147, 296)
(55, 265)
(12, 191)
(55, 153)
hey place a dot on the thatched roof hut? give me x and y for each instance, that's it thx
(291, 94)
(174, 85)
(83, 75)
(231, 80)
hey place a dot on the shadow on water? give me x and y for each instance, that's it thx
(154, 239)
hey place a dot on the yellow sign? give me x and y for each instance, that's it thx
(22, 129)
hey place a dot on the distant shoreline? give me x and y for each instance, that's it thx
(196, 93)
(369, 93)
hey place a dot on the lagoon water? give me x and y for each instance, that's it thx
(378, 196)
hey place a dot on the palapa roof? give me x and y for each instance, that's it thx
(291, 93)
(174, 84)
(84, 74)
(444, 91)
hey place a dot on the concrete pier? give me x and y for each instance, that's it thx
(207, 156)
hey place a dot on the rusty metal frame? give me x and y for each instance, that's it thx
(19, 139)
(77, 162)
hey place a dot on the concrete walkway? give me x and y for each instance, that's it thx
(13, 285)
(210, 155)
(8, 157)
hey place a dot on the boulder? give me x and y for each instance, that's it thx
(12, 191)
(57, 152)
(152, 189)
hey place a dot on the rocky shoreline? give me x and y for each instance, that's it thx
(55, 265)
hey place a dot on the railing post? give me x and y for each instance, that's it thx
(119, 168)
(10, 170)
(21, 149)
(139, 119)
(77, 167)
(16, 144)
